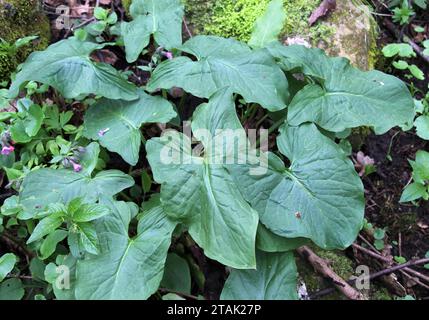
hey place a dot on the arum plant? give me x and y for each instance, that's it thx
(209, 187)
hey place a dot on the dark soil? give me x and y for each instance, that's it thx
(384, 189)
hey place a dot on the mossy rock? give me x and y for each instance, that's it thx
(355, 36)
(18, 19)
(235, 18)
(349, 31)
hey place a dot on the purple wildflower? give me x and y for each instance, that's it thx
(7, 150)
(101, 133)
(76, 166)
(167, 54)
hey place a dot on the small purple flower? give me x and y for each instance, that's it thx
(7, 150)
(101, 133)
(76, 166)
(167, 54)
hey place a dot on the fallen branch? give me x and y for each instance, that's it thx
(375, 275)
(389, 260)
(321, 266)
(399, 267)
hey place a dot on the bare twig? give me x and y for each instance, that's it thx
(188, 31)
(371, 253)
(399, 267)
(389, 260)
(83, 24)
(16, 245)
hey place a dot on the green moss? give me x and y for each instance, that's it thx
(357, 34)
(342, 265)
(339, 263)
(18, 19)
(379, 293)
(235, 18)
(298, 12)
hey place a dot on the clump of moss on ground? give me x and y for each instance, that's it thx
(18, 19)
(235, 18)
(339, 263)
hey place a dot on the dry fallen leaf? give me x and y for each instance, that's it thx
(422, 225)
(362, 161)
(105, 56)
(325, 7)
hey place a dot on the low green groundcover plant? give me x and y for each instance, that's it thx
(68, 116)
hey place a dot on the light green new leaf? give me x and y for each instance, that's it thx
(404, 50)
(67, 67)
(319, 197)
(421, 167)
(413, 192)
(344, 96)
(274, 279)
(33, 120)
(224, 63)
(45, 186)
(89, 212)
(7, 262)
(177, 276)
(162, 18)
(46, 226)
(422, 127)
(201, 192)
(50, 243)
(268, 27)
(88, 239)
(116, 123)
(126, 268)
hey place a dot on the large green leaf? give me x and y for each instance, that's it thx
(44, 186)
(177, 276)
(126, 268)
(270, 242)
(343, 97)
(224, 63)
(319, 197)
(201, 192)
(67, 67)
(162, 18)
(268, 27)
(11, 289)
(274, 279)
(116, 123)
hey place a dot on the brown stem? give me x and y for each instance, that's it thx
(16, 245)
